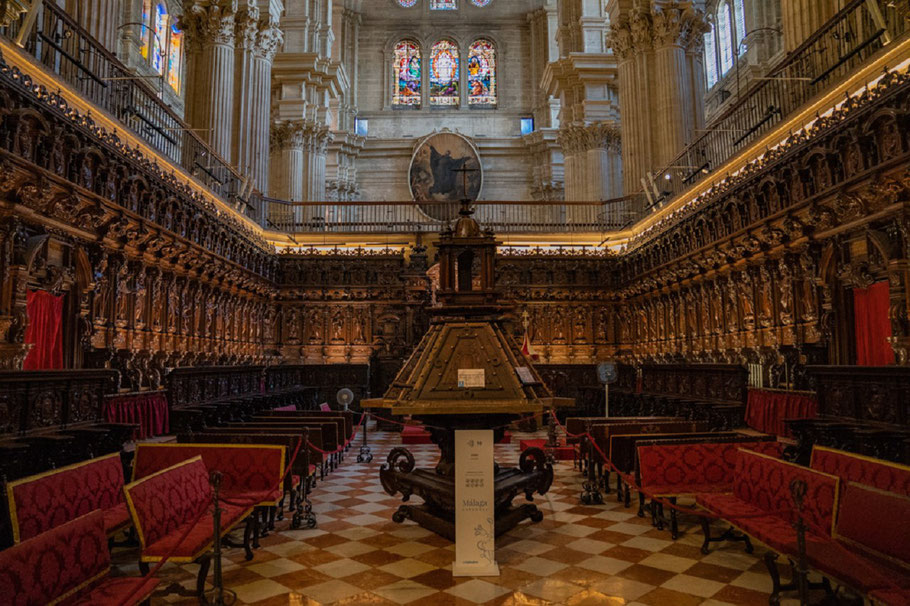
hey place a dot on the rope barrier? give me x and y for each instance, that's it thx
(344, 446)
(535, 415)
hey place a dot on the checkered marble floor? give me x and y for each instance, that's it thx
(577, 556)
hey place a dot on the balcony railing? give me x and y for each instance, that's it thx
(62, 46)
(837, 49)
(412, 217)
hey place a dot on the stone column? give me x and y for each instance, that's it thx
(209, 28)
(674, 111)
(258, 41)
(100, 18)
(802, 18)
(286, 166)
(593, 168)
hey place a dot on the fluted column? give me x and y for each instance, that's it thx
(258, 40)
(286, 166)
(630, 40)
(673, 26)
(801, 18)
(99, 17)
(593, 167)
(209, 28)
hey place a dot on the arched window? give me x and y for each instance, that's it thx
(725, 37)
(739, 17)
(443, 5)
(174, 58)
(480, 3)
(146, 27)
(444, 73)
(159, 37)
(482, 73)
(406, 74)
(407, 3)
(710, 59)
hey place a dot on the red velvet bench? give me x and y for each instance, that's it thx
(761, 493)
(850, 467)
(68, 564)
(870, 549)
(41, 502)
(172, 512)
(681, 468)
(250, 473)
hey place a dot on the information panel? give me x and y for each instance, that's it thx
(475, 534)
(472, 377)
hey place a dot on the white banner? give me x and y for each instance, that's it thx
(475, 533)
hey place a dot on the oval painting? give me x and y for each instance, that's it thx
(441, 167)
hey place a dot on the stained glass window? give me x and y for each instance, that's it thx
(480, 3)
(407, 3)
(482, 73)
(406, 75)
(444, 74)
(159, 38)
(710, 59)
(144, 30)
(725, 37)
(739, 17)
(174, 54)
(443, 5)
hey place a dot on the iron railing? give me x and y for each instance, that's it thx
(61, 45)
(837, 49)
(412, 217)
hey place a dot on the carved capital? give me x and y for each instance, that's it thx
(268, 40)
(208, 22)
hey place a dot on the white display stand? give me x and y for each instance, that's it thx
(475, 533)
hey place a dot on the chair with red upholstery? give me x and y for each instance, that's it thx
(871, 547)
(250, 472)
(851, 467)
(69, 564)
(762, 506)
(172, 512)
(671, 469)
(41, 502)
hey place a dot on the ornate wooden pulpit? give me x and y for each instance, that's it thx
(466, 373)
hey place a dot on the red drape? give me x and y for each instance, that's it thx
(870, 316)
(45, 331)
(149, 410)
(767, 410)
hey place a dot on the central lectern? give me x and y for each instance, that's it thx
(466, 373)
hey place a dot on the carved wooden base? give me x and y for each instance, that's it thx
(437, 512)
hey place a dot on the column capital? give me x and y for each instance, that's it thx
(286, 135)
(208, 22)
(269, 39)
(246, 26)
(619, 38)
(580, 138)
(676, 24)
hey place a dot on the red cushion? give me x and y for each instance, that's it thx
(883, 475)
(47, 500)
(63, 560)
(187, 546)
(692, 468)
(850, 567)
(245, 469)
(764, 481)
(168, 500)
(891, 597)
(114, 592)
(875, 522)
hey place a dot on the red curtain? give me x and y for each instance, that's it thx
(45, 331)
(873, 328)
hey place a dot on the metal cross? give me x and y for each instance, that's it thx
(464, 170)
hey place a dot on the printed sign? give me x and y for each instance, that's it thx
(472, 377)
(475, 532)
(525, 376)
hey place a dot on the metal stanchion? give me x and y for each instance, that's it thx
(591, 494)
(798, 492)
(216, 596)
(552, 438)
(365, 455)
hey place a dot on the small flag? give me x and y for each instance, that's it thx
(527, 349)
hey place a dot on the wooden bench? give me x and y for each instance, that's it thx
(331, 432)
(870, 548)
(297, 483)
(41, 502)
(851, 467)
(171, 510)
(70, 563)
(673, 468)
